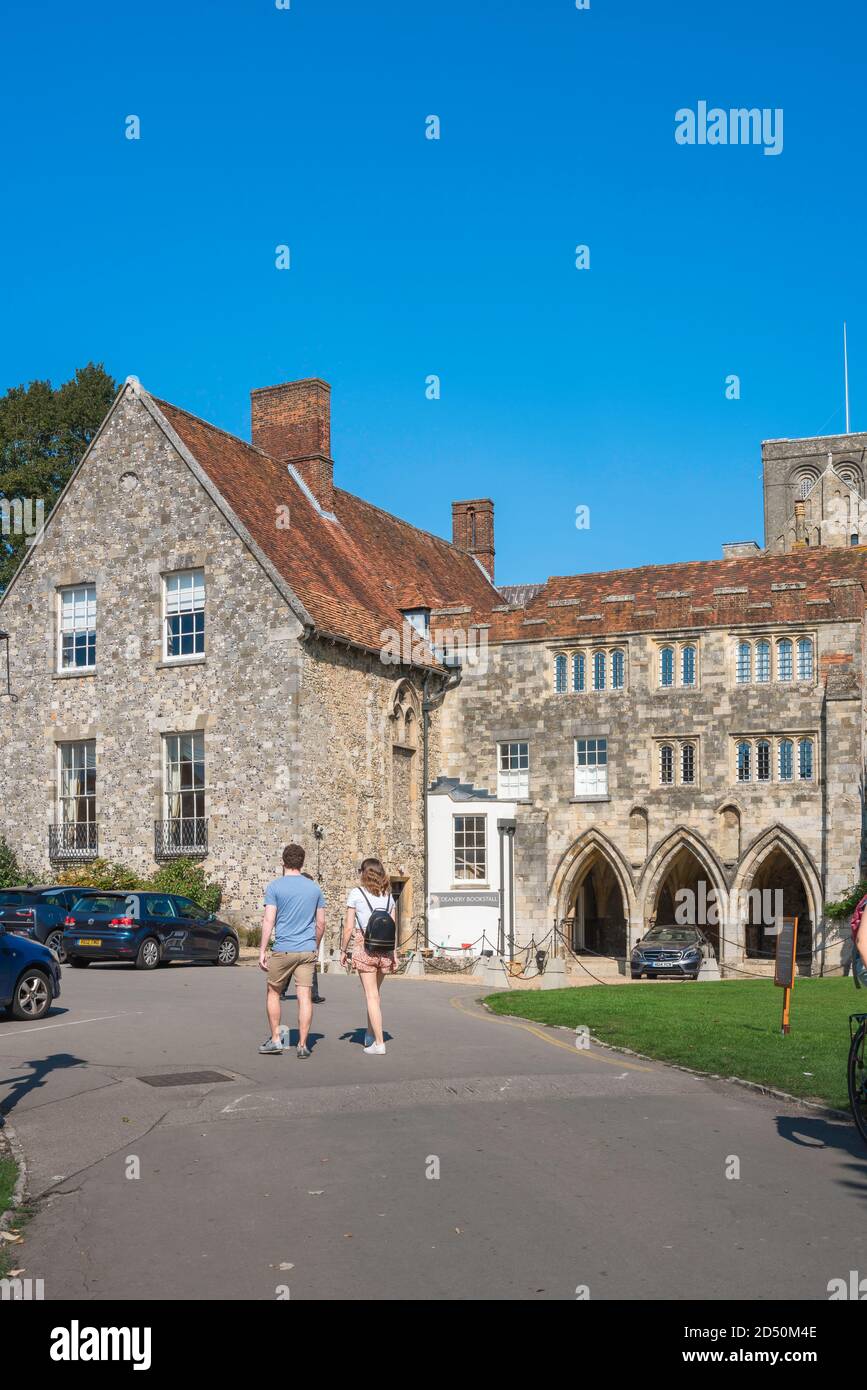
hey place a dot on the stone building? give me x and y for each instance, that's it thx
(196, 666)
(214, 649)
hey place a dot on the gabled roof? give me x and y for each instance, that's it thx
(353, 571)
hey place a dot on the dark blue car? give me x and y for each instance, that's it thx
(29, 976)
(147, 930)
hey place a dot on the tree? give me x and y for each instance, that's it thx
(44, 432)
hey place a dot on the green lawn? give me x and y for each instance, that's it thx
(731, 1028)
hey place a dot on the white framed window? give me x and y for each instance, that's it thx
(184, 790)
(77, 628)
(470, 849)
(76, 796)
(184, 605)
(513, 771)
(591, 767)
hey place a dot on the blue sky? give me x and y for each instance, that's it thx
(560, 387)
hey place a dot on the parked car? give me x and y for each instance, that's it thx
(29, 975)
(675, 951)
(39, 913)
(146, 929)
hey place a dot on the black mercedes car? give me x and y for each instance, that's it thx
(669, 951)
(147, 930)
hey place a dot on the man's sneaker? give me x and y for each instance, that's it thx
(302, 1052)
(375, 1049)
(269, 1046)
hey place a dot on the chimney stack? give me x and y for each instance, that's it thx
(473, 530)
(292, 423)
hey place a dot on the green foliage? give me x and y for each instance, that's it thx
(188, 880)
(252, 936)
(844, 907)
(44, 431)
(181, 876)
(11, 872)
(99, 873)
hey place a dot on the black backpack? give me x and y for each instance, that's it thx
(380, 932)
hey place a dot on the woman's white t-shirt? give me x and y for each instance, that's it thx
(363, 908)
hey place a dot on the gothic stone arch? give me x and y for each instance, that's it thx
(684, 859)
(768, 865)
(594, 868)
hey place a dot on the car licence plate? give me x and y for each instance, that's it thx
(88, 941)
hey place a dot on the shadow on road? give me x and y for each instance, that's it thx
(357, 1036)
(20, 1086)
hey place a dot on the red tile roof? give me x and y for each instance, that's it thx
(353, 575)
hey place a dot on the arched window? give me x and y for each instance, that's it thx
(617, 670)
(784, 660)
(599, 671)
(805, 659)
(666, 764)
(805, 481)
(763, 760)
(687, 666)
(578, 664)
(849, 475)
(785, 764)
(687, 764)
(745, 663)
(559, 673)
(744, 762)
(666, 666)
(805, 759)
(763, 661)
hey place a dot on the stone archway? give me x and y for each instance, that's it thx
(777, 878)
(685, 885)
(594, 897)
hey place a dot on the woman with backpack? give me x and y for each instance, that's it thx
(370, 942)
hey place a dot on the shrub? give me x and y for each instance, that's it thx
(252, 935)
(188, 880)
(844, 907)
(11, 872)
(99, 873)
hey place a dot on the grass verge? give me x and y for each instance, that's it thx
(730, 1029)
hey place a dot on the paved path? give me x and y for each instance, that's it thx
(558, 1167)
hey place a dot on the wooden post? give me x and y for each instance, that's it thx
(784, 968)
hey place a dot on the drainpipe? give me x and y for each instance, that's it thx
(429, 703)
(506, 829)
(4, 637)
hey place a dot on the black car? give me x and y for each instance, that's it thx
(670, 951)
(39, 913)
(146, 929)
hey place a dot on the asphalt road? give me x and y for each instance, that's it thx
(558, 1168)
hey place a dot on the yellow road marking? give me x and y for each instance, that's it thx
(458, 1003)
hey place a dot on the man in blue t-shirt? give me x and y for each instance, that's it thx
(295, 917)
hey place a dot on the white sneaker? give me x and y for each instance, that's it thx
(368, 1039)
(375, 1049)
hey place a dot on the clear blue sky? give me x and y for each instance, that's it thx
(409, 257)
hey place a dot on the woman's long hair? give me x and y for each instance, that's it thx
(373, 877)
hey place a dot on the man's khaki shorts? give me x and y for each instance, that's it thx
(283, 965)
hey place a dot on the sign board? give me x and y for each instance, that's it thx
(784, 969)
(465, 900)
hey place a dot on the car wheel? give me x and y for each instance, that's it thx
(54, 942)
(650, 976)
(32, 998)
(78, 962)
(148, 957)
(636, 974)
(228, 952)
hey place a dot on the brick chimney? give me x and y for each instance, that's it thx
(292, 423)
(473, 530)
